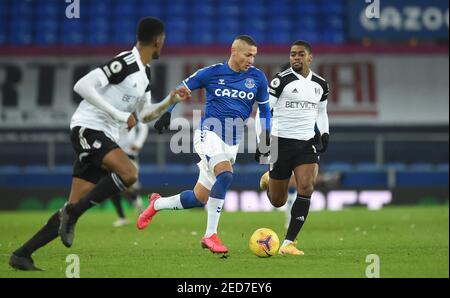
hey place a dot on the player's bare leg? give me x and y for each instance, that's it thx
(122, 174)
(292, 195)
(278, 191)
(305, 176)
(21, 258)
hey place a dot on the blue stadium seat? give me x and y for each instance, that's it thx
(227, 25)
(47, 32)
(99, 24)
(254, 8)
(177, 31)
(153, 8)
(23, 8)
(228, 8)
(225, 37)
(280, 25)
(124, 31)
(331, 36)
(21, 31)
(123, 9)
(333, 22)
(177, 38)
(305, 23)
(73, 32)
(304, 8)
(279, 9)
(201, 31)
(331, 7)
(100, 37)
(279, 37)
(176, 8)
(311, 36)
(47, 9)
(256, 28)
(4, 8)
(201, 9)
(100, 9)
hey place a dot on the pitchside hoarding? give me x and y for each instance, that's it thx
(385, 89)
(247, 200)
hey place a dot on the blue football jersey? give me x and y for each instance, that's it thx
(230, 97)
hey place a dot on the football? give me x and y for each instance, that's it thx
(264, 243)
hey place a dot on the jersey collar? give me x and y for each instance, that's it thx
(308, 77)
(138, 58)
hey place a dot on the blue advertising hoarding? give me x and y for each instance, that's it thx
(398, 19)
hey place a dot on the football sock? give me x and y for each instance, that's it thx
(216, 201)
(286, 242)
(299, 213)
(105, 188)
(41, 238)
(292, 195)
(116, 201)
(184, 200)
(214, 208)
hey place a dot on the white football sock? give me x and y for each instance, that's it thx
(172, 203)
(214, 208)
(286, 242)
(290, 200)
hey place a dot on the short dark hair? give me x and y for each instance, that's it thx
(148, 29)
(246, 38)
(303, 43)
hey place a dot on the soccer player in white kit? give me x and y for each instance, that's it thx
(114, 94)
(299, 100)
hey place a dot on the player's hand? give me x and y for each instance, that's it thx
(325, 138)
(180, 94)
(135, 148)
(163, 122)
(131, 122)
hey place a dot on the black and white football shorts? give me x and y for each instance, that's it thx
(291, 154)
(90, 148)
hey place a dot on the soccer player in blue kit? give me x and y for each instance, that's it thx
(231, 88)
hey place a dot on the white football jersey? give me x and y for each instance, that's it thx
(295, 102)
(125, 84)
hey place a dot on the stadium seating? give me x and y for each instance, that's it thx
(187, 21)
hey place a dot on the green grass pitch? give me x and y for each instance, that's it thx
(410, 242)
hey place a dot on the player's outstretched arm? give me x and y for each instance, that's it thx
(155, 110)
(87, 86)
(263, 136)
(164, 121)
(323, 125)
